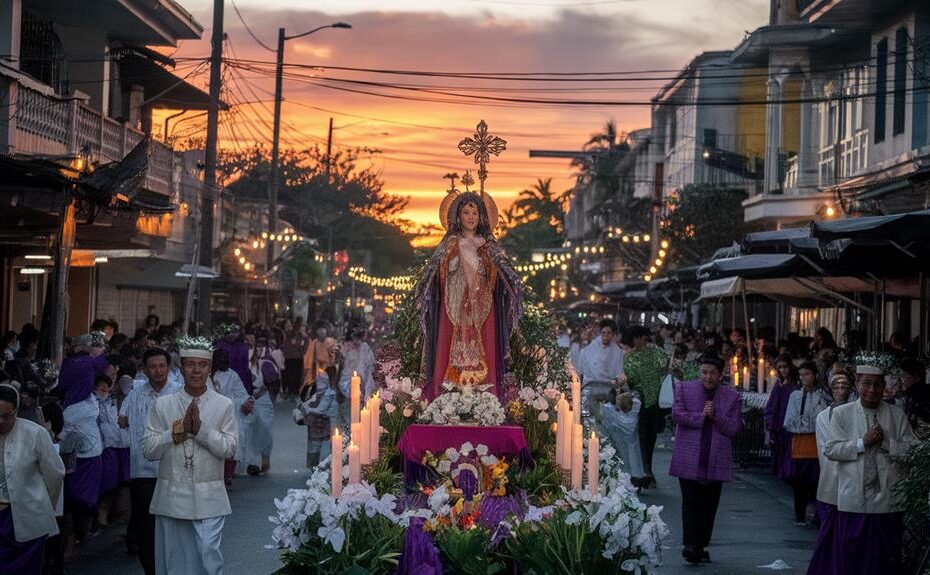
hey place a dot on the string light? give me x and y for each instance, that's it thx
(401, 283)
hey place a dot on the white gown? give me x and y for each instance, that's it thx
(621, 428)
(259, 439)
(228, 383)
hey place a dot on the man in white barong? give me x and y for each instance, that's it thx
(601, 364)
(866, 437)
(191, 433)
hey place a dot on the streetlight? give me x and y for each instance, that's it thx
(276, 136)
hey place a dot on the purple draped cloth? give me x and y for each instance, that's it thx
(869, 543)
(17, 558)
(420, 557)
(76, 377)
(238, 360)
(82, 487)
(826, 558)
(782, 464)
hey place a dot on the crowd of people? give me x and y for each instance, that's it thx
(834, 424)
(99, 459)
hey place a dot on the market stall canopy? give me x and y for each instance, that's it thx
(756, 266)
(805, 289)
(903, 228)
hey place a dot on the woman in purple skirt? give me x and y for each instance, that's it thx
(826, 559)
(779, 439)
(30, 481)
(81, 444)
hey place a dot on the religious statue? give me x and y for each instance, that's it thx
(469, 298)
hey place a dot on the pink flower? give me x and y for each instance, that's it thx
(408, 412)
(389, 407)
(543, 416)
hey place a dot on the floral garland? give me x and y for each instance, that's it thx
(464, 407)
(881, 360)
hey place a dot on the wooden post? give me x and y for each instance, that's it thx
(67, 228)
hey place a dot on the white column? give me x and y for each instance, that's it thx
(807, 152)
(772, 135)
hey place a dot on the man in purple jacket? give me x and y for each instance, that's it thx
(707, 416)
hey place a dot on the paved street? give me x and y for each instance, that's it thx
(247, 530)
(754, 527)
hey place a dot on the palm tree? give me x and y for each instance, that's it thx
(540, 201)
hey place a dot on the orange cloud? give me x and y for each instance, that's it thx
(416, 140)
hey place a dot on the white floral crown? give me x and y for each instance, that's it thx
(199, 347)
(874, 363)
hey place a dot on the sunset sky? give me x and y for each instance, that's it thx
(419, 139)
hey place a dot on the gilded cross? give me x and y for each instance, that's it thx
(482, 145)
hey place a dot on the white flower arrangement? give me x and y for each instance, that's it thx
(626, 525)
(464, 407)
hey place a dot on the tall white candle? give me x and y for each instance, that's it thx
(736, 378)
(365, 435)
(577, 455)
(375, 407)
(561, 410)
(355, 466)
(336, 467)
(576, 397)
(760, 375)
(355, 396)
(746, 377)
(594, 462)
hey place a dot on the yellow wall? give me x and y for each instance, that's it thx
(791, 117)
(750, 121)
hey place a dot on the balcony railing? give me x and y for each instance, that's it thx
(48, 125)
(852, 154)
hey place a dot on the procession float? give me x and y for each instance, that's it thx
(474, 456)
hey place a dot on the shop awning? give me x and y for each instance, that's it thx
(811, 289)
(903, 228)
(756, 266)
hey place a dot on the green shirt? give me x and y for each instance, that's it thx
(644, 371)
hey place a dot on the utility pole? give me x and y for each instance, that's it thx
(275, 143)
(203, 253)
(329, 150)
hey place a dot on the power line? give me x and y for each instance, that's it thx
(249, 30)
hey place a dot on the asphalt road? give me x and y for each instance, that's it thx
(247, 530)
(755, 522)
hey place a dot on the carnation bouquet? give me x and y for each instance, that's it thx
(469, 406)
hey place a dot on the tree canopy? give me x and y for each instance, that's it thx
(337, 202)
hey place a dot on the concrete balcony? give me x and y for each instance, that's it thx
(853, 155)
(785, 208)
(45, 124)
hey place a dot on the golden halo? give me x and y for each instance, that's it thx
(489, 206)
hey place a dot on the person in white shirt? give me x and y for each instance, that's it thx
(601, 364)
(867, 438)
(190, 433)
(255, 456)
(133, 417)
(227, 382)
(31, 475)
(357, 357)
(82, 446)
(824, 560)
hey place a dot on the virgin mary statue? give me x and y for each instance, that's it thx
(469, 299)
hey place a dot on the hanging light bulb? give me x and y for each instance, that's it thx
(237, 252)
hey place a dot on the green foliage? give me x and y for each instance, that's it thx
(309, 272)
(703, 219)
(536, 358)
(383, 474)
(555, 547)
(542, 483)
(372, 544)
(912, 494)
(344, 207)
(465, 552)
(409, 337)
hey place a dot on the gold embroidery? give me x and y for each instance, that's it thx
(467, 310)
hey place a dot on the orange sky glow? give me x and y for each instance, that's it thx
(417, 140)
